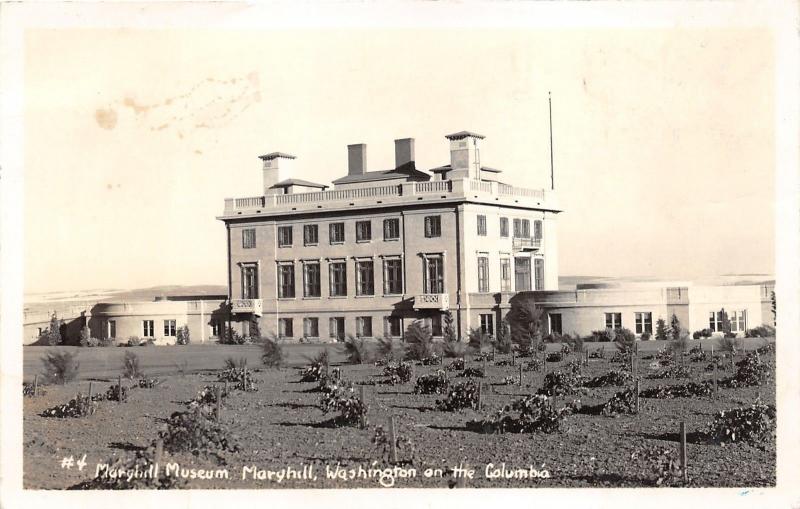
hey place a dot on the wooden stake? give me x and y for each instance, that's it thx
(393, 438)
(684, 456)
(226, 388)
(119, 388)
(520, 375)
(637, 396)
(219, 402)
(244, 376)
(480, 395)
(714, 369)
(513, 358)
(35, 385)
(159, 450)
(363, 418)
(91, 387)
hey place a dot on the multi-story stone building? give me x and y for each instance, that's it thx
(381, 249)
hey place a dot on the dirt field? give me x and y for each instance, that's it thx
(281, 425)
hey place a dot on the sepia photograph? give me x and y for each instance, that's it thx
(431, 245)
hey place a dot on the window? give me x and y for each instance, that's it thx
(555, 323)
(169, 328)
(483, 274)
(311, 279)
(504, 227)
(538, 274)
(487, 324)
(311, 235)
(337, 233)
(365, 275)
(393, 276)
(363, 231)
(715, 321)
(111, 329)
(249, 238)
(250, 281)
(613, 320)
(338, 279)
(215, 329)
(284, 236)
(522, 228)
(286, 280)
(393, 326)
(481, 225)
(522, 274)
(505, 275)
(336, 328)
(436, 324)
(644, 323)
(364, 327)
(285, 328)
(148, 329)
(739, 321)
(433, 226)
(537, 229)
(391, 229)
(433, 274)
(310, 327)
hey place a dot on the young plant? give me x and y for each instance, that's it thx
(675, 331)
(434, 383)
(391, 350)
(356, 349)
(271, 353)
(420, 341)
(52, 335)
(184, 337)
(661, 330)
(60, 367)
(130, 366)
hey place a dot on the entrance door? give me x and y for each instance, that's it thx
(522, 274)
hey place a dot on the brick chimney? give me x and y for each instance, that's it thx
(403, 152)
(357, 159)
(277, 167)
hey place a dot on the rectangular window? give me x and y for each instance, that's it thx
(483, 274)
(436, 324)
(391, 229)
(169, 328)
(433, 226)
(337, 233)
(363, 231)
(538, 274)
(311, 279)
(310, 327)
(505, 275)
(739, 320)
(393, 276)
(393, 326)
(504, 227)
(364, 327)
(644, 323)
(613, 320)
(522, 274)
(111, 329)
(336, 328)
(249, 281)
(284, 236)
(365, 278)
(338, 279)
(715, 321)
(286, 280)
(522, 228)
(433, 274)
(487, 324)
(249, 238)
(555, 323)
(481, 225)
(285, 328)
(310, 235)
(216, 329)
(148, 329)
(537, 229)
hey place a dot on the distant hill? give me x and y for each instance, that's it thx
(53, 300)
(170, 291)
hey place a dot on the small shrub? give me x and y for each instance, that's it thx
(623, 402)
(80, 406)
(356, 350)
(183, 337)
(603, 336)
(688, 390)
(672, 372)
(52, 335)
(420, 341)
(461, 395)
(762, 331)
(678, 346)
(434, 383)
(600, 353)
(134, 341)
(624, 340)
(754, 424)
(60, 367)
(765, 349)
(615, 377)
(322, 358)
(560, 383)
(271, 353)
(531, 414)
(555, 357)
(456, 364)
(701, 334)
(231, 363)
(130, 366)
(391, 350)
(751, 371)
(661, 330)
(27, 389)
(503, 342)
(117, 393)
(645, 336)
(472, 373)
(478, 340)
(232, 337)
(454, 349)
(399, 373)
(433, 360)
(148, 383)
(533, 365)
(197, 431)
(313, 373)
(729, 345)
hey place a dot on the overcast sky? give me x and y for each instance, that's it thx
(664, 139)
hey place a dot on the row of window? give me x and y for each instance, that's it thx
(392, 327)
(643, 321)
(148, 328)
(391, 231)
(522, 274)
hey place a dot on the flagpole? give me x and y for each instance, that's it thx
(550, 108)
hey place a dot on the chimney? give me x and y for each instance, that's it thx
(357, 159)
(465, 156)
(277, 167)
(403, 152)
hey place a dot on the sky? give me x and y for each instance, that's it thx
(664, 139)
